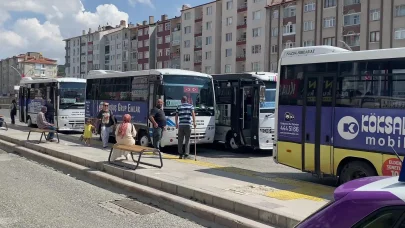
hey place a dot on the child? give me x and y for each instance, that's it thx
(88, 132)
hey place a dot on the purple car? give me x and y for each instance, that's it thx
(372, 202)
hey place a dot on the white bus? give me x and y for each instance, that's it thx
(341, 113)
(245, 109)
(66, 95)
(136, 92)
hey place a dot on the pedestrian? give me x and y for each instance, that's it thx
(13, 111)
(125, 134)
(88, 132)
(158, 119)
(107, 120)
(184, 113)
(50, 114)
(43, 124)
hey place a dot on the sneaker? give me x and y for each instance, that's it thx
(187, 156)
(181, 157)
(51, 140)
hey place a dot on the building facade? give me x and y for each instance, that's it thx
(147, 45)
(168, 39)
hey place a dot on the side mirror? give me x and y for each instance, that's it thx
(262, 93)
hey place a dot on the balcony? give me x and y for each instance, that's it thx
(175, 55)
(241, 41)
(198, 47)
(241, 25)
(242, 7)
(175, 42)
(197, 60)
(240, 58)
(198, 33)
(198, 17)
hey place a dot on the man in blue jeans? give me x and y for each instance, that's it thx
(44, 124)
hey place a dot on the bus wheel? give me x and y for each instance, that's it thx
(231, 142)
(355, 170)
(143, 139)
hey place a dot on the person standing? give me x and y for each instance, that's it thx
(50, 116)
(107, 120)
(43, 124)
(158, 119)
(184, 113)
(13, 111)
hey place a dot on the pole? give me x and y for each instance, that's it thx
(195, 146)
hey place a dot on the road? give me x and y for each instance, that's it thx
(32, 195)
(258, 161)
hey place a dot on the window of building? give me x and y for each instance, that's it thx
(256, 32)
(400, 34)
(160, 28)
(274, 31)
(374, 14)
(140, 32)
(167, 39)
(309, 25)
(273, 67)
(167, 26)
(329, 3)
(208, 40)
(228, 37)
(329, 41)
(229, 5)
(159, 40)
(187, 29)
(160, 52)
(187, 43)
(227, 68)
(140, 55)
(208, 25)
(140, 67)
(275, 14)
(352, 39)
(289, 44)
(351, 2)
(208, 55)
(187, 16)
(228, 21)
(146, 66)
(351, 19)
(400, 10)
(256, 49)
(289, 11)
(209, 10)
(118, 56)
(274, 48)
(257, 15)
(186, 58)
(159, 65)
(289, 29)
(329, 22)
(308, 43)
(256, 67)
(309, 6)
(146, 43)
(208, 69)
(167, 51)
(375, 36)
(228, 52)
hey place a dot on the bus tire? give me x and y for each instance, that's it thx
(355, 170)
(143, 139)
(231, 142)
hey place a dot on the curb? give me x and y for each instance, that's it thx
(255, 213)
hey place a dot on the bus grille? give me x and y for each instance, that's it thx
(197, 135)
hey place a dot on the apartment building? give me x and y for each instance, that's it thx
(117, 49)
(351, 24)
(201, 37)
(31, 64)
(168, 38)
(147, 45)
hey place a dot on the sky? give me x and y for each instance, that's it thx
(41, 25)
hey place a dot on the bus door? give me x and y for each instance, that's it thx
(247, 114)
(317, 148)
(254, 124)
(21, 104)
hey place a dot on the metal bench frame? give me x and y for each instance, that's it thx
(4, 122)
(43, 131)
(139, 157)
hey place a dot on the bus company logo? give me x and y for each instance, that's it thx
(348, 128)
(288, 116)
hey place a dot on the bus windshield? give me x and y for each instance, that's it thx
(270, 97)
(72, 95)
(199, 91)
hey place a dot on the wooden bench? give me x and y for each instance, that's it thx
(43, 133)
(137, 149)
(4, 122)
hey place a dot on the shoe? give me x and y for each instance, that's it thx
(186, 156)
(181, 157)
(51, 140)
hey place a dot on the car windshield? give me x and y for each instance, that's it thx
(199, 91)
(72, 95)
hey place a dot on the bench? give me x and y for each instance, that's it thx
(4, 122)
(43, 133)
(137, 149)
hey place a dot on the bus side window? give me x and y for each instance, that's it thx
(291, 85)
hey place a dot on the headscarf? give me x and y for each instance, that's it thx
(123, 127)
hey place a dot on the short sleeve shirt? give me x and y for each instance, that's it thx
(184, 111)
(159, 116)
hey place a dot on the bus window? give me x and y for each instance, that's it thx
(291, 85)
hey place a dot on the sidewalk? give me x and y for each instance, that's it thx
(259, 196)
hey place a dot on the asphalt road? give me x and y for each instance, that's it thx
(32, 195)
(259, 161)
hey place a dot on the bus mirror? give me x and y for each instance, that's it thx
(262, 93)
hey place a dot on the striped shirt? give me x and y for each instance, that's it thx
(184, 111)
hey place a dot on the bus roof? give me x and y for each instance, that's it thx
(29, 80)
(108, 73)
(263, 76)
(324, 54)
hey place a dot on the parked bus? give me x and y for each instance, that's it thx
(242, 118)
(341, 113)
(136, 93)
(66, 95)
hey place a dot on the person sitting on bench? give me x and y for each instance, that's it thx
(124, 135)
(44, 124)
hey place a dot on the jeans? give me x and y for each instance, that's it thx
(157, 136)
(105, 135)
(1, 122)
(184, 135)
(12, 118)
(51, 134)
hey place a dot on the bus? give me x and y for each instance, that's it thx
(341, 113)
(66, 95)
(245, 109)
(136, 93)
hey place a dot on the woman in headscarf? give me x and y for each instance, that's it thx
(125, 134)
